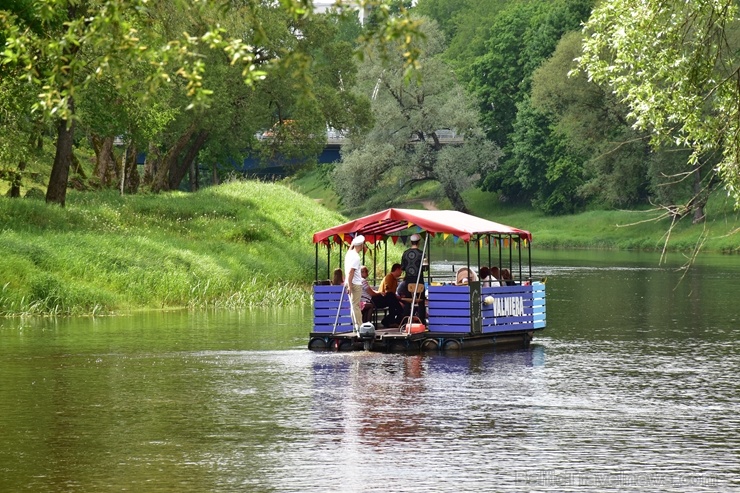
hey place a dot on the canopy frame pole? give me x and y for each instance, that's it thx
(375, 261)
(418, 278)
(385, 256)
(488, 239)
(477, 247)
(428, 258)
(339, 307)
(467, 245)
(511, 252)
(328, 260)
(520, 246)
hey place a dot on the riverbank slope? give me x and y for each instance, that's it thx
(236, 245)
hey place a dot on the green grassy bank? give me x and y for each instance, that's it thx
(236, 245)
(243, 244)
(620, 229)
(597, 229)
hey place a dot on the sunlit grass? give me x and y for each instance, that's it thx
(241, 244)
(617, 229)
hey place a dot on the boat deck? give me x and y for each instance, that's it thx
(395, 340)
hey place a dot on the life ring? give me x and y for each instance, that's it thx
(430, 345)
(452, 345)
(317, 343)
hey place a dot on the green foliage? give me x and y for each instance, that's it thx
(114, 34)
(236, 245)
(675, 64)
(134, 69)
(405, 146)
(521, 37)
(466, 24)
(542, 163)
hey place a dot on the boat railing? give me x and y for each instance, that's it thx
(450, 308)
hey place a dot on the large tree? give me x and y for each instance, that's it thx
(80, 43)
(466, 24)
(675, 63)
(64, 46)
(522, 36)
(620, 168)
(407, 144)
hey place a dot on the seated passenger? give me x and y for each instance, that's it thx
(338, 277)
(388, 287)
(389, 284)
(374, 299)
(506, 279)
(495, 276)
(465, 275)
(485, 277)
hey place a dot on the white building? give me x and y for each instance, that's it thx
(324, 5)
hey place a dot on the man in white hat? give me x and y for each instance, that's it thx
(353, 264)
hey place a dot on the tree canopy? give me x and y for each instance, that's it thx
(407, 143)
(675, 64)
(69, 51)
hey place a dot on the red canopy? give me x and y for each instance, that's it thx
(376, 226)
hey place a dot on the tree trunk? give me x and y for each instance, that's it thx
(106, 170)
(56, 192)
(15, 186)
(214, 173)
(130, 173)
(178, 172)
(453, 194)
(162, 178)
(151, 164)
(193, 177)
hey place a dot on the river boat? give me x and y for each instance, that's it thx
(461, 311)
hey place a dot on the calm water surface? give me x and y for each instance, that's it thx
(632, 387)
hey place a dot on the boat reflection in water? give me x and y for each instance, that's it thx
(376, 399)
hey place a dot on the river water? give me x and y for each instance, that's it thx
(632, 387)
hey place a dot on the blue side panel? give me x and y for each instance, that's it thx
(448, 309)
(513, 308)
(538, 305)
(326, 301)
